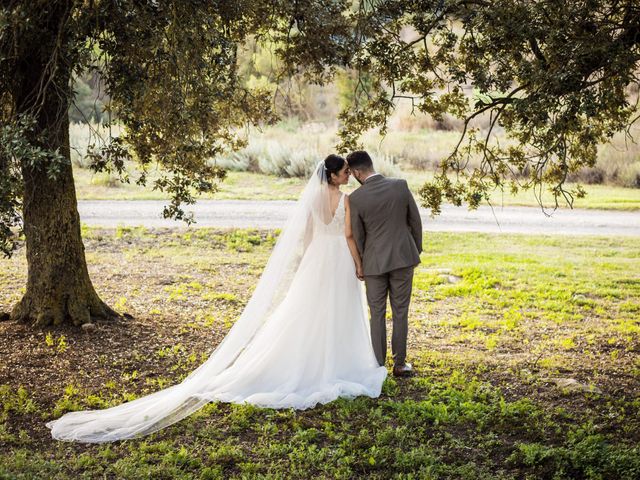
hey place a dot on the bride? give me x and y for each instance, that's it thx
(302, 339)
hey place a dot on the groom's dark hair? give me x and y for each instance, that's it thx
(359, 160)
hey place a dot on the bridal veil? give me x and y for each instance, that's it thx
(158, 410)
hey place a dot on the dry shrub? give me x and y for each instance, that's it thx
(590, 176)
(285, 151)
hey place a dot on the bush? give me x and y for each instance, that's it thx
(235, 161)
(280, 152)
(590, 176)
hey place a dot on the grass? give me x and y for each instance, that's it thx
(496, 323)
(412, 148)
(605, 197)
(255, 186)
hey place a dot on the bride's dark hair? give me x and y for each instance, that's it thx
(333, 164)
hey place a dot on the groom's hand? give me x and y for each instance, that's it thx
(359, 273)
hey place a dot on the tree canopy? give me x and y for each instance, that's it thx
(170, 70)
(559, 78)
(556, 76)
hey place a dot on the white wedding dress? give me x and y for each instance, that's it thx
(302, 339)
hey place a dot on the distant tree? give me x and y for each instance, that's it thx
(170, 71)
(559, 78)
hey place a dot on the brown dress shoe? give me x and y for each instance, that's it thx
(405, 370)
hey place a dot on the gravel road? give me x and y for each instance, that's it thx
(272, 214)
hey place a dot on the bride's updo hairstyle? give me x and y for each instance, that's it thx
(333, 164)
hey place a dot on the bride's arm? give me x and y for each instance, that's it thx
(351, 241)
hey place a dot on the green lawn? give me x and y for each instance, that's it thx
(526, 350)
(254, 186)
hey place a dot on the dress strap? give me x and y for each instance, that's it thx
(340, 207)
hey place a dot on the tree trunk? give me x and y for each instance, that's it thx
(59, 289)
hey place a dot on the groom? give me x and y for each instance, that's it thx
(386, 226)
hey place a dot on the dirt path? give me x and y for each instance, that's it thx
(272, 214)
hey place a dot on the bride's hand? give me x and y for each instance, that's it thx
(359, 272)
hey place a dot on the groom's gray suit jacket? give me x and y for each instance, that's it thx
(386, 225)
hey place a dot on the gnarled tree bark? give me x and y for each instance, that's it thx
(59, 289)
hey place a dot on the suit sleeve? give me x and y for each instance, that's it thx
(357, 226)
(413, 218)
